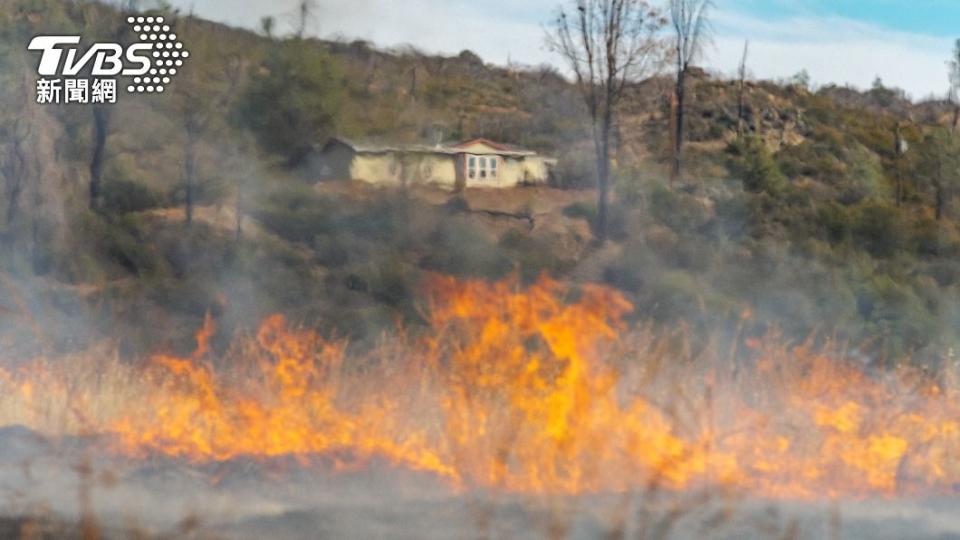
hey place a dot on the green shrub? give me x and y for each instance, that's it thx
(125, 196)
(534, 256)
(864, 178)
(335, 251)
(633, 270)
(834, 222)
(677, 210)
(295, 212)
(946, 273)
(116, 246)
(879, 229)
(630, 186)
(456, 248)
(294, 100)
(575, 170)
(582, 210)
(753, 163)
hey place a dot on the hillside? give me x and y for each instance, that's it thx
(794, 226)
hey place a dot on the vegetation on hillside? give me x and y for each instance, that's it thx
(207, 204)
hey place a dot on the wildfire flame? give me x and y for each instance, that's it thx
(538, 390)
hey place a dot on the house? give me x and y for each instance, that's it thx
(475, 163)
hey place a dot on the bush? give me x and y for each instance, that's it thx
(582, 210)
(879, 229)
(457, 249)
(295, 101)
(864, 179)
(115, 246)
(630, 186)
(893, 310)
(753, 163)
(122, 196)
(534, 256)
(575, 170)
(633, 269)
(296, 213)
(945, 273)
(834, 223)
(849, 170)
(679, 211)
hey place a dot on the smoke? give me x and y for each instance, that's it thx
(350, 261)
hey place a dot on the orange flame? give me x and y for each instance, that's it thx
(535, 390)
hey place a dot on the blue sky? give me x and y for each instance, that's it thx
(932, 17)
(905, 42)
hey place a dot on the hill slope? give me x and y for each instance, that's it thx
(796, 223)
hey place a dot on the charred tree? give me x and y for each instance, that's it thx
(688, 19)
(192, 138)
(742, 91)
(305, 13)
(899, 146)
(607, 44)
(954, 95)
(101, 129)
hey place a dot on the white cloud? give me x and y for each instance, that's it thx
(441, 26)
(831, 49)
(496, 30)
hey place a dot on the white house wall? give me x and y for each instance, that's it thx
(417, 168)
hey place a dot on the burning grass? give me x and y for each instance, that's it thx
(530, 390)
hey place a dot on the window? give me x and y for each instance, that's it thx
(482, 167)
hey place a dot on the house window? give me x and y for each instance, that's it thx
(482, 167)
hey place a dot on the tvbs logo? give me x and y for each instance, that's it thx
(70, 75)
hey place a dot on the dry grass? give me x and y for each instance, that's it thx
(539, 392)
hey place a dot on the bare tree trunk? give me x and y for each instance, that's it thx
(675, 173)
(305, 9)
(956, 118)
(897, 152)
(238, 226)
(941, 201)
(899, 185)
(689, 21)
(741, 124)
(940, 196)
(238, 210)
(189, 166)
(741, 98)
(101, 127)
(413, 84)
(607, 44)
(603, 181)
(371, 73)
(36, 260)
(14, 171)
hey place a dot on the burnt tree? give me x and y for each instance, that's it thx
(688, 19)
(954, 74)
(742, 90)
(607, 44)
